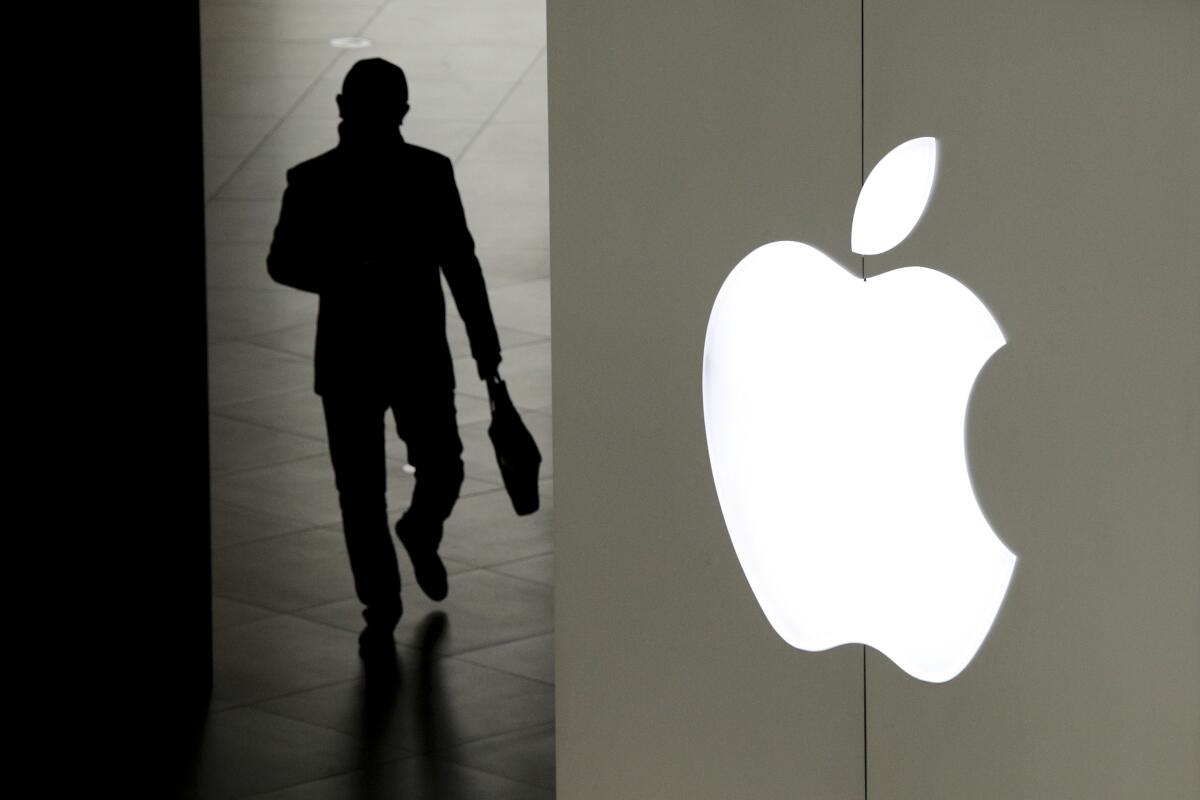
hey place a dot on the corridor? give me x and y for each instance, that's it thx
(472, 712)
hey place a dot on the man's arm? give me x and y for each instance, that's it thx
(465, 278)
(291, 260)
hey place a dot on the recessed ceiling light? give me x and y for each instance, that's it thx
(350, 42)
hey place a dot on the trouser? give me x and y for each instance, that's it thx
(356, 428)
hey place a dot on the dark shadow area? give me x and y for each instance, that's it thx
(403, 716)
(381, 704)
(112, 654)
(434, 715)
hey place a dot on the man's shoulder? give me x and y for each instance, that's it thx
(424, 158)
(314, 167)
(330, 162)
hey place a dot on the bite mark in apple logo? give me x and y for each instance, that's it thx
(835, 412)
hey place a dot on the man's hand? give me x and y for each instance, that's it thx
(488, 368)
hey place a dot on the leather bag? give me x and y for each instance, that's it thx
(516, 452)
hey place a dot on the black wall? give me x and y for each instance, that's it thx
(108, 489)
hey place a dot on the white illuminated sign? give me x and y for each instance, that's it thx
(835, 410)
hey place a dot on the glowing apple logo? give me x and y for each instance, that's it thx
(835, 411)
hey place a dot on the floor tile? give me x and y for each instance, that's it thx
(300, 138)
(437, 703)
(240, 96)
(238, 136)
(539, 569)
(471, 409)
(262, 176)
(300, 412)
(297, 412)
(484, 530)
(496, 5)
(230, 613)
(416, 777)
(228, 58)
(525, 370)
(279, 655)
(294, 3)
(496, 181)
(526, 756)
(402, 24)
(238, 372)
(217, 170)
(257, 23)
(508, 226)
(479, 456)
(304, 489)
(527, 103)
(512, 140)
(239, 313)
(298, 340)
(448, 137)
(456, 335)
(235, 445)
(233, 524)
(502, 267)
(483, 609)
(301, 489)
(524, 306)
(529, 658)
(538, 71)
(429, 100)
(241, 221)
(299, 571)
(238, 265)
(285, 573)
(444, 61)
(455, 100)
(283, 752)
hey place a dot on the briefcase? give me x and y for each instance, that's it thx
(516, 452)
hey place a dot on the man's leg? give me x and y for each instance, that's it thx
(430, 430)
(355, 429)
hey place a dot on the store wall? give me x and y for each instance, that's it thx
(1068, 199)
(681, 138)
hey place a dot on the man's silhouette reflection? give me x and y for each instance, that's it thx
(367, 226)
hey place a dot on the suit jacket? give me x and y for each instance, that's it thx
(367, 226)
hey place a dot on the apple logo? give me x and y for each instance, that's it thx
(835, 411)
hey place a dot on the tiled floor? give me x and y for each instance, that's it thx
(470, 713)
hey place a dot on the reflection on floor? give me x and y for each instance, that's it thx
(470, 713)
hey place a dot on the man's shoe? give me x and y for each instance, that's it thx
(376, 644)
(428, 566)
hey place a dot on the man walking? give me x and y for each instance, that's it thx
(370, 226)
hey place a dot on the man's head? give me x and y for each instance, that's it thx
(374, 92)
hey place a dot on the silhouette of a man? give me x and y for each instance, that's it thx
(367, 226)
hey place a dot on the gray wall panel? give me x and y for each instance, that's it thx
(1068, 200)
(682, 136)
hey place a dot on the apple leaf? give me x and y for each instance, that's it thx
(894, 197)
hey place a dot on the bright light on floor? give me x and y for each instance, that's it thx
(350, 42)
